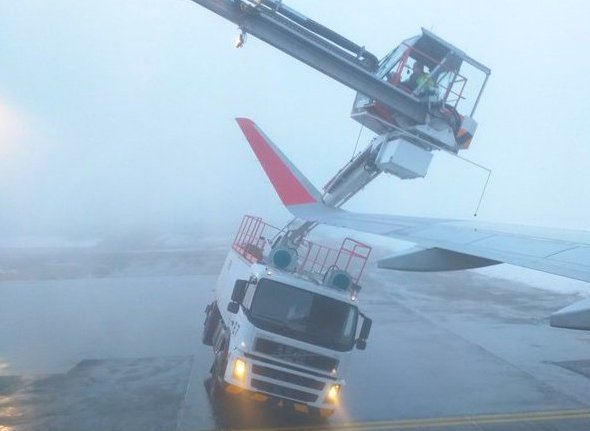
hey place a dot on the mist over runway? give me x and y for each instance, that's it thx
(122, 351)
(117, 118)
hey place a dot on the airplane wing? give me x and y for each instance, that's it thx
(443, 244)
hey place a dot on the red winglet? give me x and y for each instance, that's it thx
(287, 181)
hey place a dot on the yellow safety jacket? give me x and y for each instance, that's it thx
(429, 86)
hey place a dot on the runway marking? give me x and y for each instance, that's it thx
(180, 413)
(408, 424)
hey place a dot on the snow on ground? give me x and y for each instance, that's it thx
(554, 283)
(217, 245)
(537, 279)
(169, 242)
(30, 242)
(183, 242)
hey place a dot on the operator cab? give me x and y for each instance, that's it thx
(431, 73)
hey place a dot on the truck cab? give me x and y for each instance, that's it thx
(280, 334)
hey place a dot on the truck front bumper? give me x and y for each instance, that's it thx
(274, 401)
(282, 386)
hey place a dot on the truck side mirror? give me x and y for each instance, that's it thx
(361, 343)
(239, 291)
(233, 307)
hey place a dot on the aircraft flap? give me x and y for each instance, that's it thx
(575, 316)
(433, 259)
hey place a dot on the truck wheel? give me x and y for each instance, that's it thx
(217, 372)
(211, 322)
(316, 416)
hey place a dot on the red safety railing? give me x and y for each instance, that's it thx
(352, 257)
(318, 259)
(254, 237)
(251, 239)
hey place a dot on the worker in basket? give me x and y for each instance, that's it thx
(420, 81)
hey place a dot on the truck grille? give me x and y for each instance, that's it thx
(287, 377)
(295, 355)
(282, 391)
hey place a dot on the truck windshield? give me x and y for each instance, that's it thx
(304, 315)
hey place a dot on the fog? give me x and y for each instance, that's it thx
(119, 152)
(118, 116)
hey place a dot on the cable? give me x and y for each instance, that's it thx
(446, 150)
(482, 192)
(488, 170)
(357, 141)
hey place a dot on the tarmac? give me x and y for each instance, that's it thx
(120, 350)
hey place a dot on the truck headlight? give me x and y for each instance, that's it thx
(333, 394)
(239, 371)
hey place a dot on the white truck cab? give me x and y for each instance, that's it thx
(280, 333)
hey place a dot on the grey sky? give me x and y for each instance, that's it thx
(120, 114)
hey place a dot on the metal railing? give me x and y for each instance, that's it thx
(255, 237)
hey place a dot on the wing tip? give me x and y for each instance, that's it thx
(291, 186)
(244, 120)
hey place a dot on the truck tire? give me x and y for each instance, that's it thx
(211, 322)
(316, 416)
(216, 386)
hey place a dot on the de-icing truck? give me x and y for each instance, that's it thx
(284, 320)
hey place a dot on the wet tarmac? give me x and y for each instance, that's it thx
(447, 351)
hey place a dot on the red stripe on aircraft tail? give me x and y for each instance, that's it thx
(289, 188)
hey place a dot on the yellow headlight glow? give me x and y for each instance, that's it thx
(333, 394)
(239, 369)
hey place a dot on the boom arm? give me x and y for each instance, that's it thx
(317, 46)
(409, 124)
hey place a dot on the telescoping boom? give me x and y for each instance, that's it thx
(437, 112)
(420, 97)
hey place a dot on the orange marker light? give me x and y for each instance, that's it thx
(239, 369)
